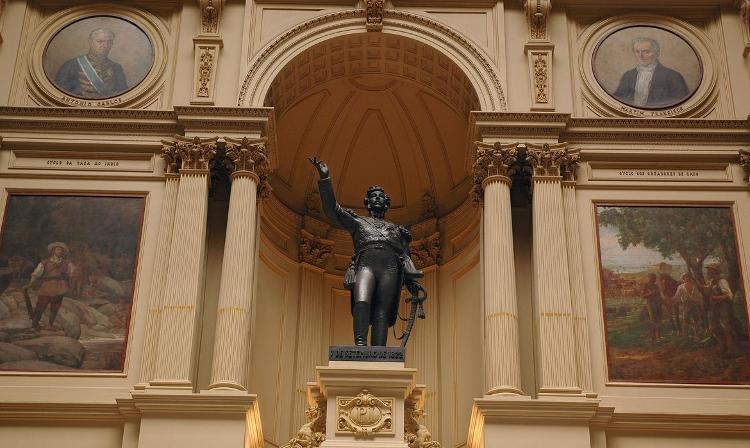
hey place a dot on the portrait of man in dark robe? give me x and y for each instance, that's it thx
(93, 75)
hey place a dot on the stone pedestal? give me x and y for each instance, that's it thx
(365, 403)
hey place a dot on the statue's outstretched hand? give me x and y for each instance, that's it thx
(320, 166)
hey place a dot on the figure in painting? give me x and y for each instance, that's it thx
(649, 83)
(650, 292)
(668, 289)
(381, 264)
(93, 75)
(691, 306)
(53, 275)
(720, 297)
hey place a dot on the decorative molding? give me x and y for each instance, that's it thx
(206, 62)
(426, 251)
(365, 414)
(745, 162)
(87, 121)
(194, 153)
(540, 76)
(210, 15)
(416, 435)
(547, 160)
(491, 160)
(313, 249)
(374, 16)
(537, 13)
(258, 77)
(744, 6)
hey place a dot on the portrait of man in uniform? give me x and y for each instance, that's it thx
(647, 67)
(98, 57)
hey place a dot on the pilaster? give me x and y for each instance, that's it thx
(207, 45)
(539, 50)
(554, 313)
(502, 371)
(249, 165)
(174, 366)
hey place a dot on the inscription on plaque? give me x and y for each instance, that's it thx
(80, 161)
(717, 172)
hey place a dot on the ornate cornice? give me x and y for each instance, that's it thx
(89, 121)
(491, 160)
(374, 16)
(517, 125)
(194, 153)
(313, 249)
(550, 160)
(426, 251)
(537, 13)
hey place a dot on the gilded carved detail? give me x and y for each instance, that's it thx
(312, 433)
(548, 160)
(491, 160)
(416, 435)
(745, 162)
(365, 414)
(250, 155)
(210, 15)
(171, 157)
(541, 77)
(426, 251)
(205, 69)
(374, 16)
(313, 249)
(537, 13)
(194, 153)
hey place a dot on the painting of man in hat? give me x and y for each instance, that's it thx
(52, 275)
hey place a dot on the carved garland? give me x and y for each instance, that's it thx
(409, 21)
(491, 160)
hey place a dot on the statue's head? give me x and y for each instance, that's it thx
(376, 201)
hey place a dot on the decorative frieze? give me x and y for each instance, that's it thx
(491, 160)
(365, 414)
(313, 249)
(374, 14)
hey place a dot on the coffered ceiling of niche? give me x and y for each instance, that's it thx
(379, 109)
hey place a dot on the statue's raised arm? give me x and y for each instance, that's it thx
(331, 208)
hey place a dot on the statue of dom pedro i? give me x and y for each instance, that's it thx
(380, 264)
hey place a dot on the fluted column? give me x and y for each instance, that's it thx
(174, 366)
(250, 168)
(502, 366)
(554, 313)
(314, 252)
(161, 263)
(575, 272)
(425, 339)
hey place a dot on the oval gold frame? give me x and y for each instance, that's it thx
(698, 104)
(139, 96)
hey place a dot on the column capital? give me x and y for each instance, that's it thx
(313, 249)
(248, 156)
(426, 251)
(171, 157)
(552, 160)
(491, 160)
(194, 153)
(745, 162)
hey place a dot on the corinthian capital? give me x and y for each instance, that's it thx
(171, 156)
(248, 155)
(313, 249)
(491, 160)
(551, 160)
(194, 153)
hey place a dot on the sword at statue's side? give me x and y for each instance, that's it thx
(417, 310)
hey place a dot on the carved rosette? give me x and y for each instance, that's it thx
(365, 414)
(374, 14)
(491, 160)
(313, 249)
(547, 159)
(312, 433)
(416, 435)
(745, 162)
(426, 252)
(537, 13)
(248, 155)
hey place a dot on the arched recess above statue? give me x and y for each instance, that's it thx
(476, 65)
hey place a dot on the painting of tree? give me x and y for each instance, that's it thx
(67, 271)
(654, 333)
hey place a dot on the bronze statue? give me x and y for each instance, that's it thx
(380, 265)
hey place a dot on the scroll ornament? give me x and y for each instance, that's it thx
(365, 414)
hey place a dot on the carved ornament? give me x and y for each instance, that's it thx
(210, 15)
(195, 153)
(416, 435)
(249, 155)
(537, 13)
(205, 69)
(312, 433)
(546, 159)
(313, 249)
(171, 157)
(426, 252)
(540, 71)
(745, 162)
(491, 160)
(374, 16)
(365, 414)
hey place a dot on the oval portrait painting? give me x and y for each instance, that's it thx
(98, 57)
(647, 67)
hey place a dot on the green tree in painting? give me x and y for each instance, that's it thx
(692, 233)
